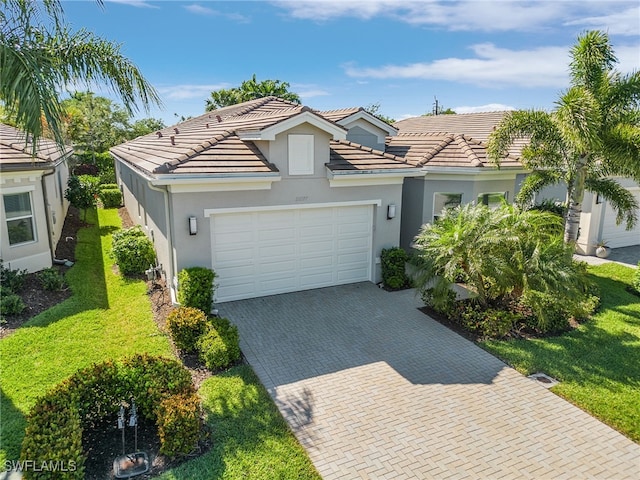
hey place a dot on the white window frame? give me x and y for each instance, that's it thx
(31, 216)
(300, 153)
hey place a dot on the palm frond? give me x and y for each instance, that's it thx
(621, 200)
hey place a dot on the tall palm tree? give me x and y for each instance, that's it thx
(40, 57)
(591, 137)
(250, 90)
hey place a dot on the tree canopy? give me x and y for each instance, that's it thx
(40, 56)
(250, 90)
(590, 138)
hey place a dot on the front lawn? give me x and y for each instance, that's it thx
(598, 364)
(108, 316)
(250, 437)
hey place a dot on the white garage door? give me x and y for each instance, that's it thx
(286, 250)
(617, 235)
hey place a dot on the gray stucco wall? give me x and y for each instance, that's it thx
(365, 137)
(412, 215)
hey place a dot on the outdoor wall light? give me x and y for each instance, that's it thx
(193, 226)
(391, 211)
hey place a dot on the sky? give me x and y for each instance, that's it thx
(400, 54)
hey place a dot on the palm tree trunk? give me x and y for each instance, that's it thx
(572, 222)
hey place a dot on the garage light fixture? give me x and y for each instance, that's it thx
(193, 226)
(391, 211)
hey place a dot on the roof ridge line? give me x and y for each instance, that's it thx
(467, 150)
(435, 150)
(372, 150)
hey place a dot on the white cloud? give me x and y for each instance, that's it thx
(477, 15)
(200, 10)
(491, 66)
(312, 93)
(186, 91)
(489, 107)
(623, 22)
(134, 3)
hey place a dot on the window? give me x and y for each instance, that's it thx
(492, 200)
(445, 201)
(17, 207)
(300, 154)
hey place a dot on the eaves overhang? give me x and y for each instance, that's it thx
(269, 133)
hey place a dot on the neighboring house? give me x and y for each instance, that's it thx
(451, 152)
(275, 197)
(33, 204)
(468, 176)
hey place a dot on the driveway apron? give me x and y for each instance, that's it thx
(374, 388)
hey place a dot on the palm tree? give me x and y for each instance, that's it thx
(39, 59)
(591, 137)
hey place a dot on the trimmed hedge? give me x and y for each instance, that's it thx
(179, 424)
(220, 346)
(110, 197)
(92, 396)
(132, 250)
(393, 262)
(196, 288)
(186, 325)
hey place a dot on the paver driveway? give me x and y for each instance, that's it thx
(373, 388)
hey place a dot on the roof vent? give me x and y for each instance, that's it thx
(173, 140)
(159, 133)
(219, 118)
(207, 125)
(176, 130)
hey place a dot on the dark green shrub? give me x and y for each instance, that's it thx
(444, 304)
(91, 398)
(82, 191)
(132, 250)
(11, 304)
(51, 279)
(196, 288)
(636, 279)
(549, 315)
(179, 424)
(219, 347)
(490, 323)
(13, 280)
(53, 434)
(186, 325)
(393, 262)
(110, 197)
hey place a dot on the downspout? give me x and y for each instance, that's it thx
(45, 199)
(167, 214)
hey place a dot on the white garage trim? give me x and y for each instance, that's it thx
(267, 251)
(214, 211)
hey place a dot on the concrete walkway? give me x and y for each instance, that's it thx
(629, 256)
(375, 389)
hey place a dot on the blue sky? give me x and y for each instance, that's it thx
(471, 55)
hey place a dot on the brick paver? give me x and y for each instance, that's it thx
(375, 389)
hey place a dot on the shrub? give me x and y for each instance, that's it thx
(13, 280)
(132, 250)
(196, 288)
(636, 279)
(53, 434)
(186, 325)
(393, 262)
(490, 323)
(110, 197)
(51, 279)
(108, 186)
(82, 191)
(92, 396)
(219, 347)
(179, 424)
(11, 304)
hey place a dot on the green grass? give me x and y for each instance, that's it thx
(108, 316)
(598, 363)
(250, 437)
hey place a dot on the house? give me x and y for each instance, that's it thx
(466, 176)
(274, 196)
(33, 204)
(451, 152)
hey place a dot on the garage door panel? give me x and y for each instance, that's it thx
(270, 252)
(617, 235)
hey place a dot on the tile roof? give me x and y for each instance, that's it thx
(473, 125)
(443, 150)
(210, 143)
(347, 155)
(15, 152)
(341, 114)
